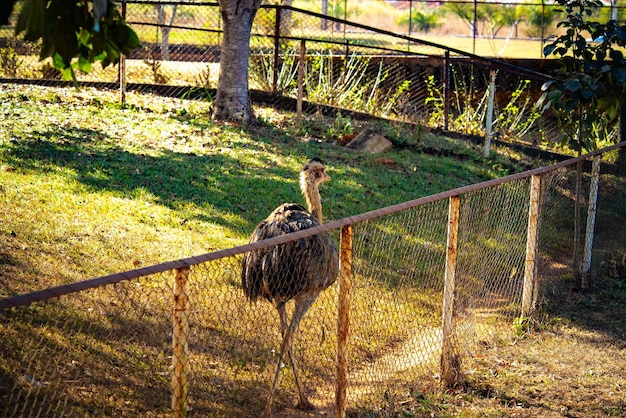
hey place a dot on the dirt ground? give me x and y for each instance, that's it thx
(569, 362)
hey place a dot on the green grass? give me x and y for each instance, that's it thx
(86, 179)
(90, 188)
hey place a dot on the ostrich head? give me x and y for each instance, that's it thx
(312, 175)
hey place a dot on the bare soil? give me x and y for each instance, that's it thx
(570, 363)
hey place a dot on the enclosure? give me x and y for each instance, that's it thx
(348, 68)
(425, 287)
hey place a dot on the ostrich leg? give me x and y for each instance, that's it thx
(303, 403)
(302, 305)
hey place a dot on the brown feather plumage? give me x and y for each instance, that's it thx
(298, 270)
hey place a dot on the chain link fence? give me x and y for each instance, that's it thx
(433, 283)
(320, 64)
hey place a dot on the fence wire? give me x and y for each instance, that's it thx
(610, 231)
(348, 67)
(395, 337)
(105, 351)
(189, 340)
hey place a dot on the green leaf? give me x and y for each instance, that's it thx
(84, 37)
(549, 49)
(99, 57)
(58, 62)
(31, 20)
(616, 55)
(84, 64)
(581, 43)
(112, 52)
(555, 95)
(572, 85)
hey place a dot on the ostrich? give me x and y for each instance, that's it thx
(298, 270)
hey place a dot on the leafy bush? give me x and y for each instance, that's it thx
(468, 112)
(9, 60)
(350, 85)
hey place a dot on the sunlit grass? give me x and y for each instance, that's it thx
(93, 188)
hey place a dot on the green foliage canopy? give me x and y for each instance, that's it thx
(423, 19)
(590, 83)
(71, 35)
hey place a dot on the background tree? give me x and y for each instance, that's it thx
(423, 19)
(497, 17)
(232, 101)
(465, 12)
(588, 90)
(165, 25)
(75, 36)
(537, 20)
(74, 33)
(590, 83)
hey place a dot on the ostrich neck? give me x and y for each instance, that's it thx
(313, 200)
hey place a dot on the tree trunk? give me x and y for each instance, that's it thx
(285, 18)
(232, 100)
(166, 28)
(324, 24)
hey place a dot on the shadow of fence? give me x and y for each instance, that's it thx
(432, 282)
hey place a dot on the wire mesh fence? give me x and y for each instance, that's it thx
(434, 282)
(346, 67)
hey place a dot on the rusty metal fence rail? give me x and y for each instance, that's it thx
(433, 283)
(349, 70)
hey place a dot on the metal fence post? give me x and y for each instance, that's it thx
(180, 324)
(532, 238)
(122, 66)
(474, 26)
(591, 220)
(343, 320)
(450, 361)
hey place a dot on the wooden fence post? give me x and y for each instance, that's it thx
(450, 362)
(446, 89)
(577, 203)
(591, 220)
(180, 324)
(343, 320)
(532, 237)
(489, 122)
(300, 81)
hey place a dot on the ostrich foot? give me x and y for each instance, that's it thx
(305, 405)
(267, 413)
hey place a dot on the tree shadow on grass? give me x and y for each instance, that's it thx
(216, 185)
(601, 310)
